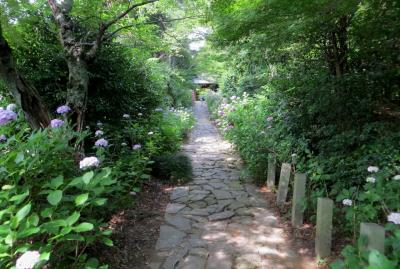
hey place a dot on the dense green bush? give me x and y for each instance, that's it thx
(52, 207)
(262, 128)
(174, 167)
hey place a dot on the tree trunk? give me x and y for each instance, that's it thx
(25, 94)
(77, 89)
(336, 48)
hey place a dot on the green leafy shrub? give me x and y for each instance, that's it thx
(175, 167)
(46, 203)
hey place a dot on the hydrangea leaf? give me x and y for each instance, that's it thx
(81, 199)
(54, 197)
(83, 227)
(87, 177)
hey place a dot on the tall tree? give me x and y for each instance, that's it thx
(25, 94)
(79, 52)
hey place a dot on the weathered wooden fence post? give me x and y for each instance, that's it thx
(271, 173)
(283, 183)
(323, 240)
(375, 235)
(299, 192)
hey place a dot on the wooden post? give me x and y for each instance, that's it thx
(299, 192)
(323, 240)
(283, 183)
(271, 173)
(375, 235)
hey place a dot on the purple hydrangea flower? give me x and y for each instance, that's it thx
(101, 143)
(56, 123)
(6, 116)
(98, 133)
(89, 162)
(3, 138)
(63, 109)
(137, 147)
(11, 107)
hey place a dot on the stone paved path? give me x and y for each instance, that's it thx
(216, 221)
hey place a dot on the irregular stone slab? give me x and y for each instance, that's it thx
(179, 192)
(172, 260)
(193, 262)
(221, 195)
(235, 205)
(217, 185)
(202, 252)
(183, 224)
(174, 208)
(197, 212)
(197, 243)
(169, 237)
(245, 212)
(198, 204)
(197, 197)
(221, 216)
(219, 260)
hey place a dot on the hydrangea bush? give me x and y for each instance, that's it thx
(54, 204)
(364, 182)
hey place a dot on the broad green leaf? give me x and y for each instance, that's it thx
(379, 261)
(20, 157)
(107, 241)
(34, 219)
(83, 227)
(54, 197)
(87, 177)
(28, 232)
(47, 212)
(100, 201)
(81, 199)
(4, 229)
(73, 218)
(23, 212)
(20, 197)
(57, 182)
(45, 256)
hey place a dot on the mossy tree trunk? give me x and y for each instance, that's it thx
(24, 93)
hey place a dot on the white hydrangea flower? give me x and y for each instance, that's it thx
(396, 177)
(150, 133)
(371, 179)
(11, 107)
(126, 116)
(28, 260)
(394, 217)
(89, 162)
(373, 169)
(347, 202)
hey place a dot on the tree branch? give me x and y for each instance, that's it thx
(123, 14)
(104, 26)
(107, 37)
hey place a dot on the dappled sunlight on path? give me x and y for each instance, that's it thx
(218, 221)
